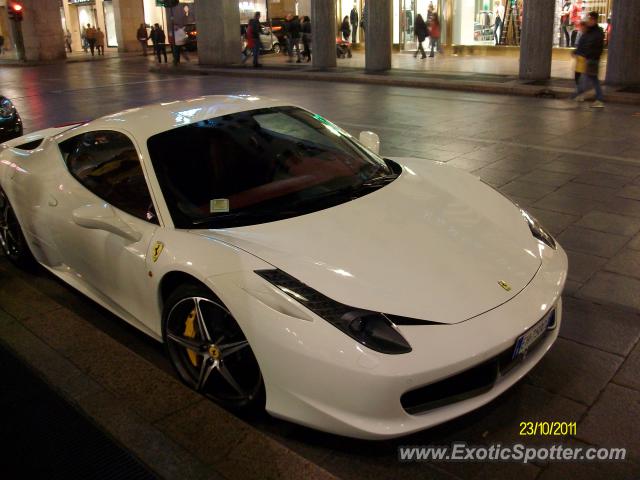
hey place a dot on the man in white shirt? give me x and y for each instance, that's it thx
(498, 16)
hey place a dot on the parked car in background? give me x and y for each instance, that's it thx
(10, 121)
(270, 41)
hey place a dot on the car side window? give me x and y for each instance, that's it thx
(106, 163)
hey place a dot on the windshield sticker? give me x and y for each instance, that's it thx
(219, 205)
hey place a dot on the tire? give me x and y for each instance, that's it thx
(220, 363)
(12, 240)
(276, 48)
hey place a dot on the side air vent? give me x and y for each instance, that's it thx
(32, 145)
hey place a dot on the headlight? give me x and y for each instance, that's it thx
(372, 329)
(538, 230)
(6, 108)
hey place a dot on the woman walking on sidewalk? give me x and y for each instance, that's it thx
(422, 32)
(306, 38)
(100, 41)
(434, 36)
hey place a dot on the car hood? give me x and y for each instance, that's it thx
(433, 244)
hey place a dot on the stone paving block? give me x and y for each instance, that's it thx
(205, 419)
(602, 179)
(460, 147)
(572, 287)
(141, 385)
(277, 462)
(438, 155)
(520, 166)
(621, 206)
(533, 191)
(629, 374)
(605, 328)
(592, 242)
(555, 222)
(494, 177)
(613, 289)
(610, 223)
(613, 420)
(627, 262)
(547, 177)
(569, 204)
(562, 166)
(13, 293)
(590, 470)
(618, 168)
(153, 447)
(484, 155)
(582, 265)
(575, 371)
(468, 164)
(634, 243)
(631, 191)
(586, 191)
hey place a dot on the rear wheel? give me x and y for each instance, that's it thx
(209, 350)
(12, 240)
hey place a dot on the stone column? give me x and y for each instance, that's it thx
(323, 33)
(42, 31)
(623, 61)
(129, 14)
(378, 35)
(536, 41)
(219, 41)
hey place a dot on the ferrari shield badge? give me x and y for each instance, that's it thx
(504, 285)
(156, 251)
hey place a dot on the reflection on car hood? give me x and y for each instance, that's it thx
(434, 244)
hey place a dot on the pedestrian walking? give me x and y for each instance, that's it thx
(353, 19)
(434, 34)
(1, 45)
(90, 34)
(179, 49)
(143, 38)
(498, 24)
(306, 38)
(422, 32)
(253, 33)
(67, 40)
(565, 23)
(293, 36)
(100, 41)
(590, 47)
(345, 30)
(83, 39)
(158, 40)
(575, 17)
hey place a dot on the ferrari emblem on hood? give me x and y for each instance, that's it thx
(504, 285)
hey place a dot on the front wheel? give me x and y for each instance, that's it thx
(276, 48)
(209, 350)
(12, 240)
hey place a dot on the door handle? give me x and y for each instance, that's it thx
(53, 202)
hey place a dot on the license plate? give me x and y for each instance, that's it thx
(530, 337)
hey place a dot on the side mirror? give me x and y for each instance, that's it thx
(371, 141)
(104, 217)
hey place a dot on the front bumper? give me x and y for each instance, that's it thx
(317, 376)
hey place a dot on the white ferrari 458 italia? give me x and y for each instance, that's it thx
(285, 264)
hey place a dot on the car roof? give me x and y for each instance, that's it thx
(144, 122)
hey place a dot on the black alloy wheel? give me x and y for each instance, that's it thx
(209, 350)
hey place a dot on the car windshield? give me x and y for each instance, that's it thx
(259, 166)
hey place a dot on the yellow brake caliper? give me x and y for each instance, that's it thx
(190, 332)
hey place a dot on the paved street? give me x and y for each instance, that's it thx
(576, 169)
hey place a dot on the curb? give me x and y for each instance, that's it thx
(170, 428)
(509, 87)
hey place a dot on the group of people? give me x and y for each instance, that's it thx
(159, 42)
(92, 39)
(422, 31)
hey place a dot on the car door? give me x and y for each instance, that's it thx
(104, 218)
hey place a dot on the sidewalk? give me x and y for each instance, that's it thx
(482, 74)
